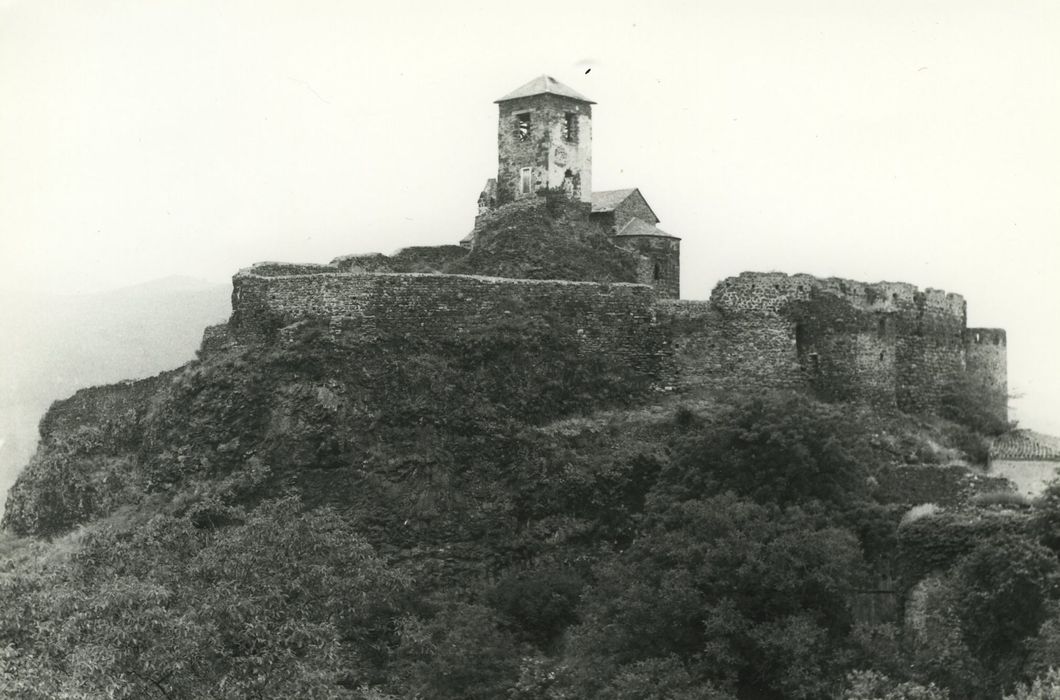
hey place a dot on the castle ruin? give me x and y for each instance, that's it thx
(887, 344)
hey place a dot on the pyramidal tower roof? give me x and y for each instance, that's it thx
(544, 84)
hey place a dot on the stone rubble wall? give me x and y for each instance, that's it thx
(607, 318)
(888, 344)
(130, 399)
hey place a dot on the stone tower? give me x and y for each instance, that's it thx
(544, 140)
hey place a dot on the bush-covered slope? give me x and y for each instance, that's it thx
(495, 515)
(552, 239)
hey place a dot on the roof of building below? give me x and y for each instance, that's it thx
(545, 85)
(639, 227)
(1026, 445)
(608, 200)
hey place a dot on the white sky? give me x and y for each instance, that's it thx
(910, 140)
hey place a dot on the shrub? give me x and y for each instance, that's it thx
(975, 405)
(1001, 498)
(973, 445)
(937, 543)
(552, 240)
(540, 602)
(924, 510)
(782, 447)
(1045, 521)
(1004, 591)
(1045, 687)
(742, 594)
(870, 685)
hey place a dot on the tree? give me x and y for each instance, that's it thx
(459, 654)
(1045, 687)
(870, 685)
(744, 595)
(783, 447)
(1003, 592)
(283, 604)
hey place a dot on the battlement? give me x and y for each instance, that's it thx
(888, 343)
(772, 292)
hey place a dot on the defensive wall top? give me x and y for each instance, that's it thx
(769, 292)
(269, 270)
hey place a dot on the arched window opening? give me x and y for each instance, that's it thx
(656, 273)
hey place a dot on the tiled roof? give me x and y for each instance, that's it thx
(544, 84)
(607, 201)
(639, 227)
(1026, 444)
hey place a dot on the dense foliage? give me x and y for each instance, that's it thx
(280, 603)
(551, 241)
(499, 515)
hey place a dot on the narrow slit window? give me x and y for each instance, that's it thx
(526, 180)
(522, 126)
(656, 273)
(570, 127)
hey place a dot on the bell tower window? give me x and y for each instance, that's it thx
(570, 127)
(522, 126)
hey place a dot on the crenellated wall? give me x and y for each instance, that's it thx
(886, 343)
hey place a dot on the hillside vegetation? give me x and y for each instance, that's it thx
(499, 515)
(546, 238)
(553, 240)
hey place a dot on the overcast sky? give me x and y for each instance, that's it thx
(914, 140)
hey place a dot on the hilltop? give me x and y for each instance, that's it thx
(523, 467)
(504, 493)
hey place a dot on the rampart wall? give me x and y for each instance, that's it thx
(607, 318)
(127, 400)
(886, 343)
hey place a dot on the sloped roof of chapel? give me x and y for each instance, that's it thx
(608, 200)
(639, 227)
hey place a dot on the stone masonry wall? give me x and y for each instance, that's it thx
(95, 405)
(412, 259)
(663, 271)
(986, 362)
(608, 318)
(633, 206)
(885, 343)
(718, 349)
